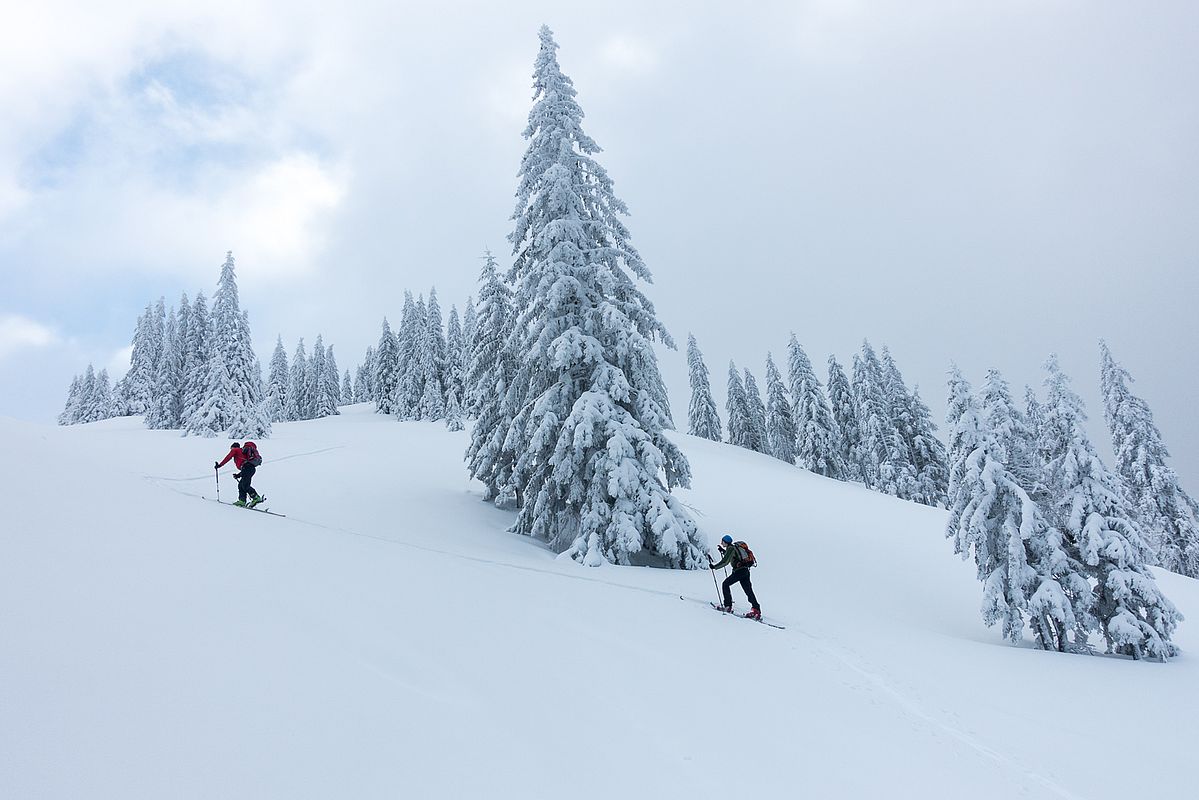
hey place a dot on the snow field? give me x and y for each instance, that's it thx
(390, 639)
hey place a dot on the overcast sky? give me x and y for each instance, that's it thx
(979, 182)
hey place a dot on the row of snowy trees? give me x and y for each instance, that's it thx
(189, 369)
(417, 371)
(307, 387)
(1060, 541)
(561, 375)
(872, 429)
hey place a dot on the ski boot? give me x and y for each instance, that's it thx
(724, 608)
(240, 503)
(754, 613)
(260, 498)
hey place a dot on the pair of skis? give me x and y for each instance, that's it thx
(247, 508)
(721, 609)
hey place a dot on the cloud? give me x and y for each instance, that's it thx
(18, 333)
(630, 54)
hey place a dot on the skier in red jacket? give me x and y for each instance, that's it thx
(246, 458)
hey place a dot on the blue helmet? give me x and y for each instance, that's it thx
(727, 539)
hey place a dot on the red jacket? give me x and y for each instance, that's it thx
(237, 455)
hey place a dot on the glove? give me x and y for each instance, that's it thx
(216, 465)
(237, 474)
(710, 564)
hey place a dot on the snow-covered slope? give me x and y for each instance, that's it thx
(389, 639)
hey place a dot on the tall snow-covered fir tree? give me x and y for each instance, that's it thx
(1087, 503)
(469, 321)
(323, 402)
(136, 388)
(928, 454)
(410, 376)
(703, 420)
(1168, 516)
(199, 353)
(593, 465)
(70, 412)
(455, 355)
(897, 469)
(300, 402)
(845, 416)
(364, 382)
(432, 363)
(240, 414)
(780, 424)
(277, 383)
(755, 414)
(167, 390)
(347, 389)
(489, 379)
(874, 419)
(387, 368)
(334, 376)
(994, 519)
(453, 414)
(817, 436)
(737, 408)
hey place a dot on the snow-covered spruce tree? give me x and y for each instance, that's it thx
(455, 353)
(594, 466)
(737, 408)
(845, 416)
(87, 396)
(817, 437)
(101, 400)
(334, 376)
(410, 377)
(702, 417)
(897, 470)
(299, 400)
(364, 388)
(874, 422)
(928, 455)
(488, 380)
(1034, 419)
(241, 416)
(70, 412)
(1167, 514)
(756, 415)
(387, 368)
(994, 519)
(1087, 503)
(432, 360)
(323, 403)
(277, 384)
(136, 385)
(199, 353)
(780, 424)
(167, 390)
(347, 390)
(964, 422)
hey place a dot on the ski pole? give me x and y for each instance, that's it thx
(216, 473)
(719, 599)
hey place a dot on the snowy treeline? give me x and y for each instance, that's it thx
(563, 379)
(873, 430)
(306, 387)
(1057, 540)
(190, 369)
(417, 372)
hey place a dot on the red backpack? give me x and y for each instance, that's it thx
(253, 457)
(744, 556)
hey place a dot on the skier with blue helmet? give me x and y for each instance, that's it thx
(740, 558)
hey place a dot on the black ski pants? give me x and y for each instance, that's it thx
(741, 576)
(243, 483)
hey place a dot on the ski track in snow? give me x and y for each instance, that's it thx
(875, 679)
